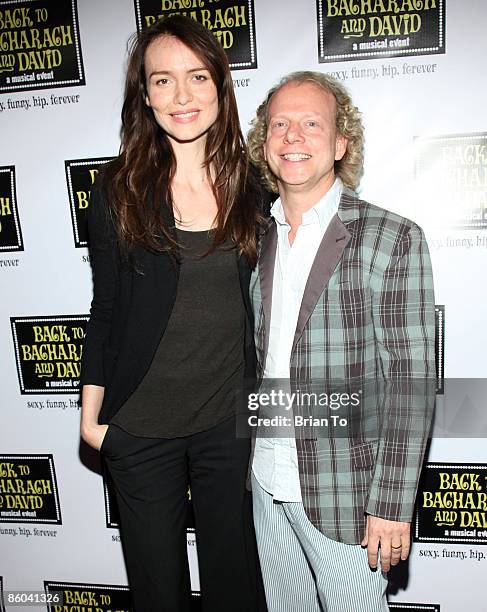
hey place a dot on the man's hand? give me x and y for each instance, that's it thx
(393, 537)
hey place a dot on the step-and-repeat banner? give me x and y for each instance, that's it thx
(415, 68)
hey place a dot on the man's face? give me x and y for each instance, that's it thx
(302, 141)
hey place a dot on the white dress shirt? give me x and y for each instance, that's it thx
(275, 461)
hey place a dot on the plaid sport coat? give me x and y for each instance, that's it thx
(367, 316)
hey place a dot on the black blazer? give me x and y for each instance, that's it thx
(131, 308)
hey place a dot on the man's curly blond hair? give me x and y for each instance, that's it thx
(348, 123)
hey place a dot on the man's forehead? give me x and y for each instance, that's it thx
(301, 97)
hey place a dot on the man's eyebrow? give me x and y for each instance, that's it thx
(302, 114)
(157, 72)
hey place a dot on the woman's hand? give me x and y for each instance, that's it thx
(94, 435)
(91, 432)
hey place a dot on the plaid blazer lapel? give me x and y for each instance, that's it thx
(329, 253)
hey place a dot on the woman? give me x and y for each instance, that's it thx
(172, 226)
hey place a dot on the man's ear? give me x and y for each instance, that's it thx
(340, 146)
(264, 149)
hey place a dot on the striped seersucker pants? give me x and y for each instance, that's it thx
(303, 570)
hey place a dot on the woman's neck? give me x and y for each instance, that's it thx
(190, 158)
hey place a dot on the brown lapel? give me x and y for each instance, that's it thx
(267, 260)
(328, 255)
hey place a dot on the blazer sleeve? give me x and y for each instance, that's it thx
(104, 260)
(403, 312)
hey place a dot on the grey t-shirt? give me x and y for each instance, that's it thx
(197, 370)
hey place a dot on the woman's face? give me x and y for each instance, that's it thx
(180, 90)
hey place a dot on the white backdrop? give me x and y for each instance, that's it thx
(52, 278)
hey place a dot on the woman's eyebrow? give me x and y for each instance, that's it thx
(157, 72)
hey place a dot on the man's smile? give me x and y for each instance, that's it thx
(294, 157)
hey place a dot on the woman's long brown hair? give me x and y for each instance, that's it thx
(138, 181)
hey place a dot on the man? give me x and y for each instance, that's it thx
(342, 293)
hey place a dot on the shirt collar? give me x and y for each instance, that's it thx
(320, 213)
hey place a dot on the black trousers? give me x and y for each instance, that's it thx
(151, 477)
